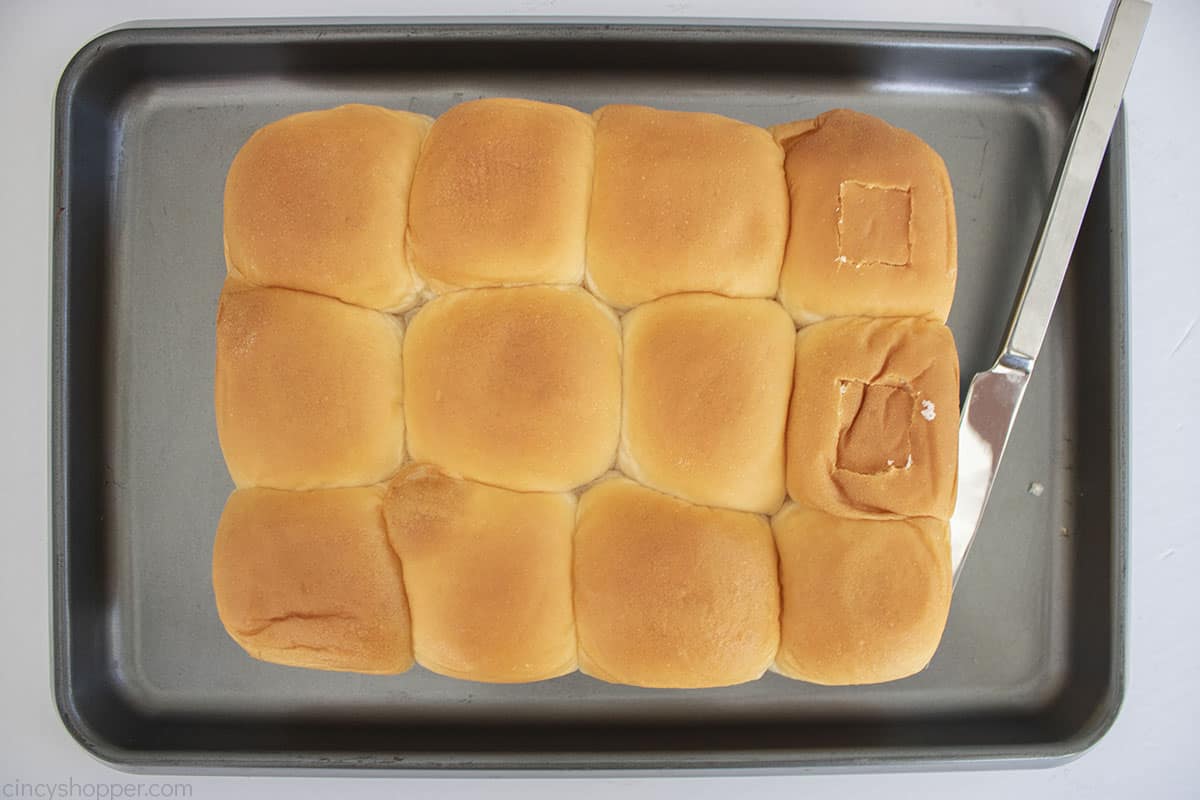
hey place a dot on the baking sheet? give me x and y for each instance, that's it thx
(1031, 667)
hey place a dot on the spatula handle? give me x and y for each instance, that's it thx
(1119, 41)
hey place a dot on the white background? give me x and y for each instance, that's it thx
(1154, 748)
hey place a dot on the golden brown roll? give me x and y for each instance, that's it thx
(488, 575)
(516, 387)
(872, 221)
(864, 601)
(873, 426)
(706, 382)
(308, 390)
(684, 202)
(319, 201)
(670, 594)
(307, 579)
(501, 194)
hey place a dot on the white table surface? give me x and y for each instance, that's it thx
(1153, 751)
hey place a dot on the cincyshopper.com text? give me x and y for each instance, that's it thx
(92, 790)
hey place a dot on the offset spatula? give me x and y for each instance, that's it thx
(994, 396)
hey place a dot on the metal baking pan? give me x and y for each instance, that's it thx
(1031, 667)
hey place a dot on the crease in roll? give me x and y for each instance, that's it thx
(307, 579)
(488, 576)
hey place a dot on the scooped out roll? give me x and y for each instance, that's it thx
(873, 424)
(872, 221)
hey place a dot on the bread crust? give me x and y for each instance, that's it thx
(872, 221)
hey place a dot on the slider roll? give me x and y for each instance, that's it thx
(319, 202)
(684, 202)
(307, 579)
(872, 221)
(873, 425)
(864, 601)
(488, 574)
(670, 594)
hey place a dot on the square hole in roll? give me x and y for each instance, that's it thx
(875, 420)
(873, 224)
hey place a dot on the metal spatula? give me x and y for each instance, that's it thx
(994, 396)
